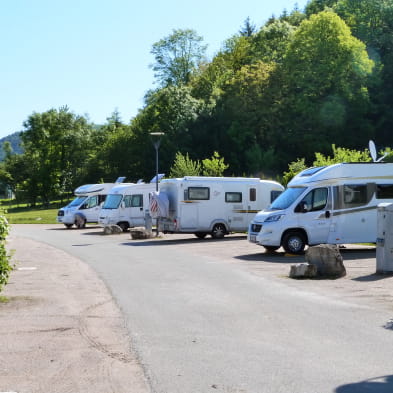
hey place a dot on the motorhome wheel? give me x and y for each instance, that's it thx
(124, 226)
(218, 231)
(80, 222)
(68, 225)
(293, 242)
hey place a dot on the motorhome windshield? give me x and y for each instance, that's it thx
(286, 199)
(112, 201)
(77, 201)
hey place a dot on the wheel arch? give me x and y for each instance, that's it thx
(80, 215)
(219, 221)
(295, 229)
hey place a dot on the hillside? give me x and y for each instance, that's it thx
(14, 139)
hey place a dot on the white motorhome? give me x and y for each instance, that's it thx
(333, 204)
(213, 205)
(125, 205)
(85, 208)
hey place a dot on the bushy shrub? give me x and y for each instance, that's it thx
(5, 258)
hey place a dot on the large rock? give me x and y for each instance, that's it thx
(111, 229)
(140, 233)
(327, 259)
(303, 270)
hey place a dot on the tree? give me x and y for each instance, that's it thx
(372, 22)
(177, 56)
(214, 166)
(294, 168)
(316, 6)
(324, 79)
(57, 144)
(341, 154)
(184, 166)
(271, 42)
(248, 29)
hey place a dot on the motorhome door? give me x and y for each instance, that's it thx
(314, 214)
(133, 210)
(237, 205)
(91, 208)
(189, 207)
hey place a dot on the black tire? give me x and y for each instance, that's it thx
(68, 226)
(200, 235)
(124, 226)
(294, 242)
(80, 222)
(271, 248)
(219, 231)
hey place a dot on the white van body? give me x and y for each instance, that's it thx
(214, 205)
(125, 205)
(85, 208)
(336, 204)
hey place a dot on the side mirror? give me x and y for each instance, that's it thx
(122, 205)
(303, 208)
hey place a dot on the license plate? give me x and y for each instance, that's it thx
(253, 238)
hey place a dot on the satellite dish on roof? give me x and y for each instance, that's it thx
(373, 150)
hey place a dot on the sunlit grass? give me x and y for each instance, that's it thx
(23, 214)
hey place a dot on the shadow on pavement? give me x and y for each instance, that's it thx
(273, 257)
(372, 277)
(162, 242)
(375, 385)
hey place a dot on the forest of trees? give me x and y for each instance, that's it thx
(302, 82)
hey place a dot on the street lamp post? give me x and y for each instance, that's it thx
(156, 143)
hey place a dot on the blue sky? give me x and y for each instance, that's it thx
(94, 55)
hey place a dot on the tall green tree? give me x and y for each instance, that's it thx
(372, 22)
(57, 144)
(177, 56)
(185, 166)
(324, 79)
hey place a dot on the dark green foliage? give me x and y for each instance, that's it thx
(5, 258)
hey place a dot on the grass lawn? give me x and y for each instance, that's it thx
(23, 214)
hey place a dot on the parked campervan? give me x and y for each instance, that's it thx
(85, 208)
(212, 205)
(333, 204)
(125, 205)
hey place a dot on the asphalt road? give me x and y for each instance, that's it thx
(211, 316)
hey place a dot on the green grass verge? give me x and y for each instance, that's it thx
(22, 214)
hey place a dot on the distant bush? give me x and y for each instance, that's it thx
(5, 258)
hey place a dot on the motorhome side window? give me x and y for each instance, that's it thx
(253, 194)
(384, 191)
(198, 193)
(233, 197)
(137, 200)
(91, 202)
(313, 201)
(355, 194)
(133, 200)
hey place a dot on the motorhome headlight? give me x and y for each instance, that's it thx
(274, 218)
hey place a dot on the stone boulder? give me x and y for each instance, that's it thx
(327, 259)
(140, 233)
(111, 229)
(303, 270)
